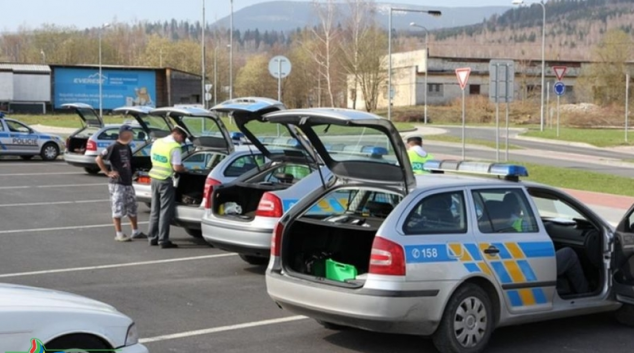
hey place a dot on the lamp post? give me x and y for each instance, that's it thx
(231, 53)
(413, 24)
(541, 105)
(434, 13)
(43, 56)
(104, 26)
(203, 61)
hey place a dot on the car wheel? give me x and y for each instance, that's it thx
(76, 344)
(27, 158)
(625, 315)
(467, 322)
(255, 260)
(196, 233)
(92, 171)
(50, 151)
(330, 326)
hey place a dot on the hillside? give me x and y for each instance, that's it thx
(290, 15)
(573, 28)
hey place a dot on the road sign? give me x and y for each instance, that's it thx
(560, 88)
(208, 87)
(280, 66)
(207, 97)
(463, 76)
(560, 72)
(392, 93)
(501, 81)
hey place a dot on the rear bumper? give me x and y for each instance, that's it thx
(137, 348)
(389, 311)
(143, 192)
(80, 160)
(188, 216)
(248, 238)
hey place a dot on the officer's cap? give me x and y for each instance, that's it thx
(415, 138)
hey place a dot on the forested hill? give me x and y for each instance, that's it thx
(573, 27)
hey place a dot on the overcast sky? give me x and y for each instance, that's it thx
(91, 13)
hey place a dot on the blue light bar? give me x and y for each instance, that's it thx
(1, 115)
(498, 169)
(236, 135)
(375, 151)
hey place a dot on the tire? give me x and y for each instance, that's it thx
(76, 344)
(196, 233)
(50, 152)
(255, 260)
(469, 307)
(331, 326)
(92, 171)
(27, 158)
(625, 315)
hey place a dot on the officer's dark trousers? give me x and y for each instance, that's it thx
(568, 264)
(163, 194)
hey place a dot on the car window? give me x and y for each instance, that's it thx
(443, 213)
(1, 126)
(359, 202)
(361, 144)
(109, 135)
(504, 211)
(202, 160)
(288, 173)
(14, 126)
(244, 164)
(551, 207)
(139, 134)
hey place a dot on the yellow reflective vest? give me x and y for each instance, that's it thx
(162, 159)
(418, 162)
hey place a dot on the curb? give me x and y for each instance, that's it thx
(556, 142)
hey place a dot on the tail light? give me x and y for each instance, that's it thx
(68, 144)
(209, 188)
(144, 179)
(269, 206)
(387, 258)
(91, 145)
(276, 239)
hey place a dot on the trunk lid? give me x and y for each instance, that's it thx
(377, 153)
(89, 117)
(153, 125)
(205, 128)
(248, 114)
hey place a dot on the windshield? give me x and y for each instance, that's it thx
(356, 144)
(200, 126)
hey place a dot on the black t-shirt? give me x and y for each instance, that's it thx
(120, 157)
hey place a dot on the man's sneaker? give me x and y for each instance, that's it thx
(168, 245)
(124, 238)
(154, 242)
(139, 235)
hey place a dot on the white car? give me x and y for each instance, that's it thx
(18, 139)
(34, 318)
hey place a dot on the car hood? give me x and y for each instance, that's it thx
(13, 296)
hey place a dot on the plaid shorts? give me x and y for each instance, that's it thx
(123, 200)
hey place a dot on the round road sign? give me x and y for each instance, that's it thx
(280, 66)
(560, 88)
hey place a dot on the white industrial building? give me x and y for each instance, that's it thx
(25, 88)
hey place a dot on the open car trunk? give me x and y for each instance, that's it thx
(246, 195)
(77, 144)
(191, 187)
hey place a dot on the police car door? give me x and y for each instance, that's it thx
(21, 138)
(623, 259)
(515, 247)
(4, 137)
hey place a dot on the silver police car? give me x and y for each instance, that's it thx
(84, 145)
(18, 139)
(452, 257)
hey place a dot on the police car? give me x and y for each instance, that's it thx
(84, 145)
(440, 255)
(18, 139)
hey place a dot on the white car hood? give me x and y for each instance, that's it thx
(13, 296)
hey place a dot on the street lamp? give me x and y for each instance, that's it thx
(203, 60)
(104, 26)
(434, 13)
(413, 24)
(231, 53)
(541, 108)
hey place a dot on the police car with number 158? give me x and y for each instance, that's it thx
(18, 139)
(448, 256)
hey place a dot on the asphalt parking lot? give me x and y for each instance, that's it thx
(56, 233)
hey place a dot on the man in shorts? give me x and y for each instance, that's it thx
(122, 194)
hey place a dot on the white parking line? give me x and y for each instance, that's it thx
(105, 267)
(51, 203)
(221, 329)
(47, 174)
(34, 230)
(36, 164)
(49, 186)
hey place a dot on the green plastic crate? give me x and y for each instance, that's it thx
(340, 272)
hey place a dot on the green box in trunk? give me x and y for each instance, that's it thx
(340, 272)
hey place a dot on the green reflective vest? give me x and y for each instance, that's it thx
(418, 162)
(517, 224)
(162, 159)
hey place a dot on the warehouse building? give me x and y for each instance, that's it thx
(25, 88)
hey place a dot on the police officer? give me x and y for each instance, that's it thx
(166, 160)
(417, 155)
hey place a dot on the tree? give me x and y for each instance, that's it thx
(372, 66)
(254, 79)
(604, 80)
